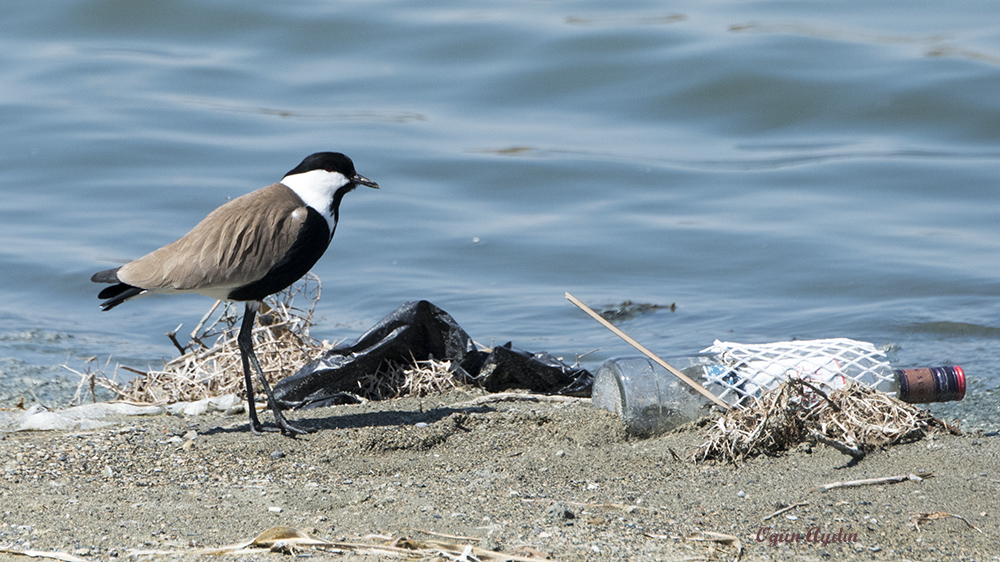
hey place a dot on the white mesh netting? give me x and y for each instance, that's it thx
(746, 370)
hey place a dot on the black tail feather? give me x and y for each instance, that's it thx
(115, 294)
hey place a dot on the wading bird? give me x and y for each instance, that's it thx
(247, 249)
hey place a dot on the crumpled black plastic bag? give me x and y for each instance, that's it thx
(507, 367)
(418, 331)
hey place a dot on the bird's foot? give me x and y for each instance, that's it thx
(281, 424)
(289, 430)
(260, 429)
(286, 429)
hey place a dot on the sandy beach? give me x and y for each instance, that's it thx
(525, 478)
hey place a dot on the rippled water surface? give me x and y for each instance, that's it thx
(777, 170)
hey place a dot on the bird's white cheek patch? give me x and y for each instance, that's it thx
(316, 187)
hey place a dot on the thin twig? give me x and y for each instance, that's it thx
(924, 517)
(201, 323)
(842, 447)
(604, 505)
(836, 408)
(786, 509)
(173, 339)
(918, 477)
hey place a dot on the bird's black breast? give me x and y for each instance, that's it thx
(312, 241)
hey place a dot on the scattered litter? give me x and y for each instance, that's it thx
(416, 350)
(420, 331)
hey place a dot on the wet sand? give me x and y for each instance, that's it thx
(560, 479)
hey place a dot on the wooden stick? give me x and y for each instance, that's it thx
(918, 477)
(688, 380)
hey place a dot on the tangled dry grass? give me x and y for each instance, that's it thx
(855, 419)
(209, 365)
(419, 378)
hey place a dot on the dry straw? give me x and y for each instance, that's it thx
(855, 419)
(210, 364)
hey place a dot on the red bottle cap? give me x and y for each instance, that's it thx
(931, 384)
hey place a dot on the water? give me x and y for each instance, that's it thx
(777, 169)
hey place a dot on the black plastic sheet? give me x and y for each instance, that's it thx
(419, 331)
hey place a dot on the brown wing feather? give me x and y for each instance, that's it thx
(234, 245)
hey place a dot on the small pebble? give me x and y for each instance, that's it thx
(274, 509)
(741, 494)
(278, 454)
(559, 511)
(421, 425)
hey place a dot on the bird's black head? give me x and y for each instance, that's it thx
(332, 162)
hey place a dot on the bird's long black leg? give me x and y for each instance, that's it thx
(245, 342)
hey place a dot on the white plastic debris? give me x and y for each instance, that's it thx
(93, 416)
(85, 417)
(749, 369)
(228, 404)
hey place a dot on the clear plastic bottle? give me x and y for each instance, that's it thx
(648, 398)
(651, 400)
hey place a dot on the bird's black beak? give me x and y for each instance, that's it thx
(361, 180)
